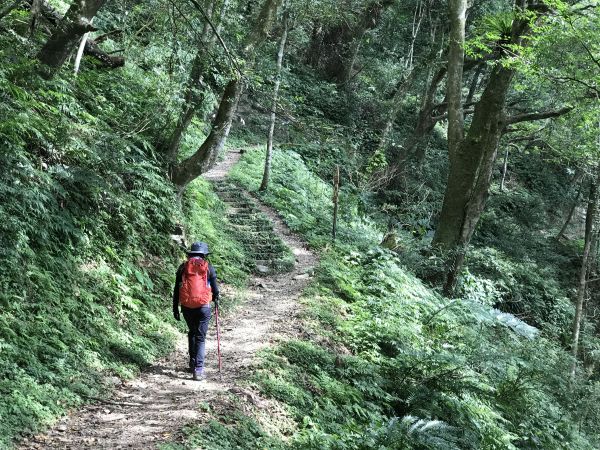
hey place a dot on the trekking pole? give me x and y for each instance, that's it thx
(218, 338)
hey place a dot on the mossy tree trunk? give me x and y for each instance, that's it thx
(195, 89)
(68, 33)
(335, 49)
(471, 157)
(426, 121)
(470, 173)
(204, 158)
(206, 155)
(577, 179)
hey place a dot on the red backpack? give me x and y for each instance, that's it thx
(195, 291)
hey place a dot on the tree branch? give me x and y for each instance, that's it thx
(91, 46)
(592, 88)
(9, 7)
(445, 115)
(106, 35)
(219, 38)
(528, 117)
(590, 54)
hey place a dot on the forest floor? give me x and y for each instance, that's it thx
(149, 410)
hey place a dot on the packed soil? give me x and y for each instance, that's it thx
(153, 408)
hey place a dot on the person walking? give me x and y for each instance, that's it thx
(195, 287)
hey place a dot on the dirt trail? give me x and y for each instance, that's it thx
(154, 407)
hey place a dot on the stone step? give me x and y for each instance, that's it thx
(237, 204)
(232, 192)
(243, 211)
(265, 236)
(259, 222)
(253, 229)
(267, 257)
(246, 214)
(268, 246)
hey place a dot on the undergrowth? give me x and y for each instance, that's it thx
(385, 362)
(87, 263)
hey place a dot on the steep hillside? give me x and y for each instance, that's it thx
(456, 306)
(87, 256)
(384, 362)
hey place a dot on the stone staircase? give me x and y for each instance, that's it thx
(254, 230)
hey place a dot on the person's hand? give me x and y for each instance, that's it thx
(216, 300)
(176, 315)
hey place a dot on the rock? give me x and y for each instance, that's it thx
(113, 381)
(302, 276)
(262, 269)
(61, 428)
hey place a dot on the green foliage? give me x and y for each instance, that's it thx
(87, 262)
(304, 200)
(394, 365)
(87, 210)
(229, 430)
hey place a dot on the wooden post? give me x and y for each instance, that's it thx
(336, 194)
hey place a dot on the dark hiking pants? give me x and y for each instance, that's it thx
(197, 321)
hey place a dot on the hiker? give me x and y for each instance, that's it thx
(195, 286)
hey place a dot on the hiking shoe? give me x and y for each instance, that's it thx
(198, 375)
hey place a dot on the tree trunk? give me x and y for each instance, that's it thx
(315, 48)
(583, 272)
(474, 84)
(109, 61)
(195, 88)
(456, 59)
(68, 33)
(269, 155)
(395, 104)
(471, 158)
(369, 21)
(335, 50)
(262, 26)
(420, 12)
(504, 170)
(470, 172)
(577, 179)
(336, 199)
(80, 50)
(411, 147)
(36, 13)
(192, 100)
(206, 155)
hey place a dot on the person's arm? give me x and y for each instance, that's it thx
(176, 292)
(214, 285)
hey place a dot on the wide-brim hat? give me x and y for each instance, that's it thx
(199, 248)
